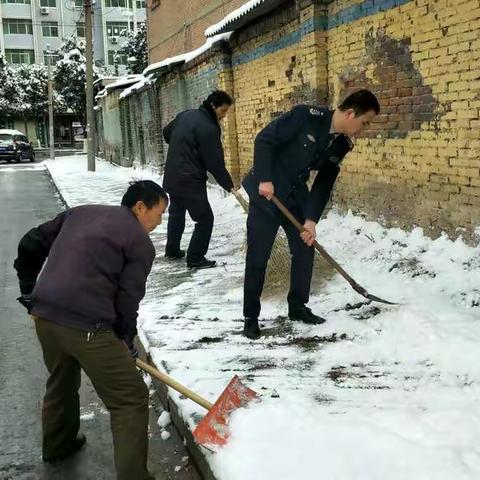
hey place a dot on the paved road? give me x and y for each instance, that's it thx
(28, 198)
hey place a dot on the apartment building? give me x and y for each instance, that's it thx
(28, 26)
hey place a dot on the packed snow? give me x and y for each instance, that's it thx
(377, 392)
(164, 420)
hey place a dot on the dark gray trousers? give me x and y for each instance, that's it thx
(111, 368)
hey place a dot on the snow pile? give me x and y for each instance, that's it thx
(164, 420)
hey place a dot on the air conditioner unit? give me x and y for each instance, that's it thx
(44, 10)
(114, 39)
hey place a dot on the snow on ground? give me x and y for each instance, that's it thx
(378, 392)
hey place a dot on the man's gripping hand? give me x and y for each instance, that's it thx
(309, 234)
(265, 189)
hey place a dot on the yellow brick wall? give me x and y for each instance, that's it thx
(274, 83)
(420, 164)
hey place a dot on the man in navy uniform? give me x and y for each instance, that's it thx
(304, 139)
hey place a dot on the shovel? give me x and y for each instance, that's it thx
(213, 428)
(357, 287)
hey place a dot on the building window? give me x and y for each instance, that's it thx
(116, 3)
(27, 2)
(48, 3)
(141, 4)
(20, 56)
(117, 29)
(79, 3)
(16, 26)
(50, 29)
(53, 58)
(121, 58)
(81, 29)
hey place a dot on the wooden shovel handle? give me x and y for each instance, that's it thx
(319, 248)
(174, 384)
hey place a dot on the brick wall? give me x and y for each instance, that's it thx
(277, 62)
(419, 164)
(177, 26)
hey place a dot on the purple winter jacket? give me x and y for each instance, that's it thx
(99, 258)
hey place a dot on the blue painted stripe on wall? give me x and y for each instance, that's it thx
(349, 14)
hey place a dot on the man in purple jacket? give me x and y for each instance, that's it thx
(85, 306)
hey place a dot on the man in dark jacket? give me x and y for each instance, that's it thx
(195, 148)
(304, 139)
(85, 303)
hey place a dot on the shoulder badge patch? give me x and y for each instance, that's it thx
(316, 112)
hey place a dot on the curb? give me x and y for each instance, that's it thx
(182, 428)
(161, 390)
(62, 198)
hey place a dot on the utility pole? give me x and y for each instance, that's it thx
(51, 139)
(134, 8)
(89, 86)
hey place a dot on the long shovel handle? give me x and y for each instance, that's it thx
(356, 286)
(174, 384)
(240, 200)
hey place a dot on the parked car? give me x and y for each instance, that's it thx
(15, 147)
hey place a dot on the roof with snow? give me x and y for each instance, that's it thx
(7, 131)
(241, 16)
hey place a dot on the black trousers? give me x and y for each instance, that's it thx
(262, 228)
(199, 209)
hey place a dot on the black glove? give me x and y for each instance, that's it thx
(131, 348)
(26, 301)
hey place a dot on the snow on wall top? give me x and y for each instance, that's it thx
(136, 86)
(123, 82)
(188, 56)
(236, 14)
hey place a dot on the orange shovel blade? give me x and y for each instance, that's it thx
(213, 429)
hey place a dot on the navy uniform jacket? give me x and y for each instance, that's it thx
(195, 148)
(287, 149)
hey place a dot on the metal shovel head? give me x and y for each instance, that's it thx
(213, 429)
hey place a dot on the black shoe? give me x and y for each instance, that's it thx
(77, 445)
(302, 313)
(201, 264)
(175, 255)
(251, 329)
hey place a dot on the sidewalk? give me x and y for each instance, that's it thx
(378, 392)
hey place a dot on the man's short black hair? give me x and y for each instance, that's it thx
(361, 101)
(146, 191)
(218, 98)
